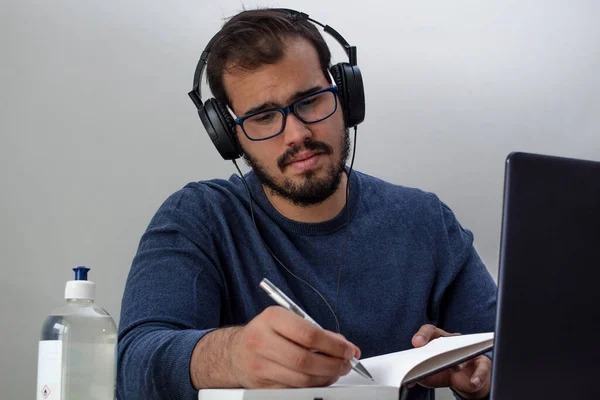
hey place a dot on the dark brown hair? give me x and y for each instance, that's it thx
(253, 38)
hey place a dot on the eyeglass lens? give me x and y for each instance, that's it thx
(309, 110)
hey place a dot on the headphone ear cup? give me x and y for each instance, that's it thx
(348, 79)
(220, 126)
(227, 118)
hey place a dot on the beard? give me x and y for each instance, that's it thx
(311, 190)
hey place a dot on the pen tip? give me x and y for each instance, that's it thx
(363, 371)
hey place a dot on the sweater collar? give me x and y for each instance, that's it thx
(306, 228)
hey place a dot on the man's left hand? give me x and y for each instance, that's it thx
(470, 379)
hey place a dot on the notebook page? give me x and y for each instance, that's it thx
(390, 369)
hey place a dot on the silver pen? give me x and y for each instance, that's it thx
(285, 302)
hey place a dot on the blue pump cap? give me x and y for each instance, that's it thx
(81, 273)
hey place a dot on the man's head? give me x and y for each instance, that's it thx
(270, 58)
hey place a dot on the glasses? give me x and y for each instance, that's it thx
(311, 109)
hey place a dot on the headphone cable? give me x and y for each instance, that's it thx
(337, 291)
(251, 200)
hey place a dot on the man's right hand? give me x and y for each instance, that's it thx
(276, 349)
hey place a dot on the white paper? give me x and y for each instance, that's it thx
(392, 369)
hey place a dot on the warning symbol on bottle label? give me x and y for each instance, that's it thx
(46, 391)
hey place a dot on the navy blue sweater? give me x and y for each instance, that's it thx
(199, 264)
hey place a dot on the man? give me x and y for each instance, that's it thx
(403, 272)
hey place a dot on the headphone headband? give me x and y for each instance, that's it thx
(196, 92)
(219, 123)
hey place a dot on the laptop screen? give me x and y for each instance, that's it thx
(547, 341)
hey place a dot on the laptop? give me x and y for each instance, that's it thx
(547, 339)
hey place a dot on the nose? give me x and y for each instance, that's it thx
(295, 131)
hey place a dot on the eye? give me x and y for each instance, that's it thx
(264, 118)
(307, 102)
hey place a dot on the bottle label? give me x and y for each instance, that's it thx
(49, 385)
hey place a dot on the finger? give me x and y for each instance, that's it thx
(461, 366)
(441, 379)
(357, 352)
(481, 374)
(426, 334)
(292, 356)
(458, 374)
(310, 336)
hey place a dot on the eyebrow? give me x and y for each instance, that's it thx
(270, 104)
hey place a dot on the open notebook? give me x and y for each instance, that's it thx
(390, 372)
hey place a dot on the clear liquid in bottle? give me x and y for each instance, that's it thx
(77, 350)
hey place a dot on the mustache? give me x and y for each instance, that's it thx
(308, 144)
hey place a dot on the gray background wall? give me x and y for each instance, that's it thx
(97, 130)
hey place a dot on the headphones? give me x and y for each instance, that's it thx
(219, 123)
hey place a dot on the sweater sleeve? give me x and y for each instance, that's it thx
(468, 304)
(468, 300)
(172, 299)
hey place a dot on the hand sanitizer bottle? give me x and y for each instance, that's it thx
(77, 350)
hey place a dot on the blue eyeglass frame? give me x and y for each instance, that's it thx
(289, 110)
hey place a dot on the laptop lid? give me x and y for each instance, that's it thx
(547, 340)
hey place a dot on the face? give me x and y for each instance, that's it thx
(304, 164)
